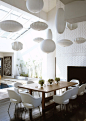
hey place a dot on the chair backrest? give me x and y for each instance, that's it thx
(30, 82)
(74, 91)
(14, 95)
(81, 89)
(16, 84)
(27, 98)
(67, 95)
(76, 81)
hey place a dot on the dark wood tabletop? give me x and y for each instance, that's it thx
(47, 88)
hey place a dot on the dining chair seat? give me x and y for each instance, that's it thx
(85, 91)
(14, 97)
(16, 84)
(81, 90)
(27, 105)
(30, 100)
(73, 97)
(81, 93)
(65, 102)
(63, 98)
(74, 92)
(14, 100)
(75, 81)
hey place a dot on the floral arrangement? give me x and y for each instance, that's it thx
(50, 81)
(57, 79)
(41, 82)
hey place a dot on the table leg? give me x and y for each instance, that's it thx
(30, 110)
(55, 92)
(66, 88)
(31, 92)
(43, 102)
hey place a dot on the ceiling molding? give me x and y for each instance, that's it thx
(68, 1)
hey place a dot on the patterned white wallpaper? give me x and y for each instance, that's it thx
(74, 55)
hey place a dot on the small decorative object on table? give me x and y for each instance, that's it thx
(50, 81)
(41, 82)
(57, 80)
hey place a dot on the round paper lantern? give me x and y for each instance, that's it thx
(10, 26)
(79, 40)
(17, 46)
(39, 26)
(49, 34)
(60, 20)
(34, 6)
(48, 45)
(38, 39)
(72, 26)
(65, 42)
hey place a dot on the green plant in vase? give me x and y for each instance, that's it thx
(57, 80)
(50, 81)
(41, 82)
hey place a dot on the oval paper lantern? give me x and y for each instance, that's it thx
(38, 39)
(10, 26)
(48, 45)
(60, 20)
(49, 34)
(39, 26)
(72, 26)
(65, 42)
(34, 6)
(17, 46)
(79, 40)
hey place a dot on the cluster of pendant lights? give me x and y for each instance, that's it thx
(12, 26)
(35, 6)
(47, 45)
(60, 27)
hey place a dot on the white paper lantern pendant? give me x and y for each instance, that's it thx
(34, 6)
(48, 46)
(38, 39)
(79, 40)
(17, 46)
(65, 42)
(72, 26)
(60, 20)
(39, 26)
(10, 26)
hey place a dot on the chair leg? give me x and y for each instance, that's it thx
(30, 113)
(9, 116)
(9, 106)
(39, 109)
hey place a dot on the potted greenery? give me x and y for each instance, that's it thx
(41, 82)
(57, 80)
(50, 81)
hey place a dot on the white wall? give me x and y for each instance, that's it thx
(1, 55)
(74, 55)
(6, 50)
(51, 56)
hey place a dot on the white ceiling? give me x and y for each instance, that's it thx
(67, 1)
(9, 14)
(49, 5)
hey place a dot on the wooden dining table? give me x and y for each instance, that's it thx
(47, 89)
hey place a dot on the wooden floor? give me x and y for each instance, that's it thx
(18, 114)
